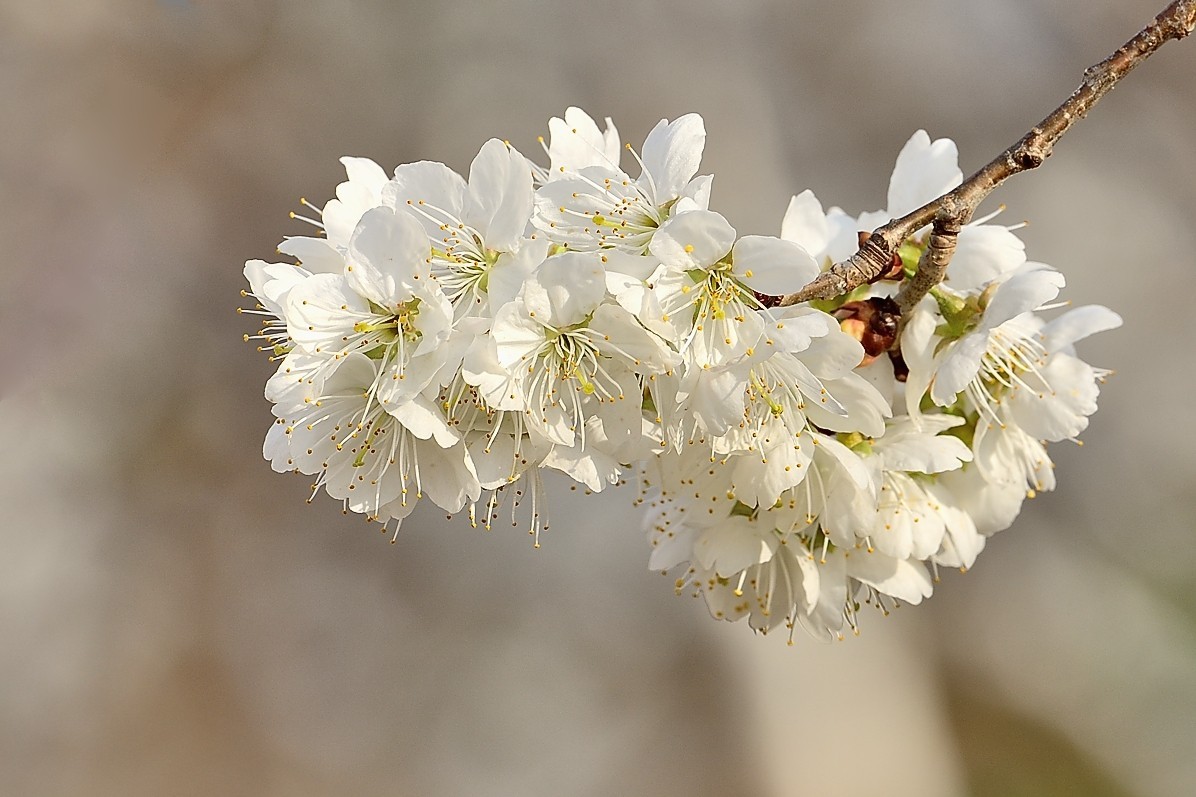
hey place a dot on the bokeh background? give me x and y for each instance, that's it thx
(175, 620)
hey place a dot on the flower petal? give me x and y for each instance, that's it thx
(565, 289)
(386, 257)
(672, 153)
(697, 239)
(1077, 324)
(924, 171)
(1027, 289)
(772, 266)
(805, 224)
(499, 200)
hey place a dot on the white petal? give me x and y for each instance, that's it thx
(482, 369)
(672, 547)
(772, 266)
(958, 367)
(810, 577)
(672, 153)
(625, 337)
(795, 328)
(299, 379)
(900, 578)
(714, 397)
(362, 191)
(735, 545)
(270, 283)
(697, 239)
(432, 192)
(640, 267)
(565, 289)
(924, 453)
(917, 341)
(1029, 288)
(386, 256)
(924, 171)
(806, 224)
(511, 271)
(277, 448)
(696, 195)
(425, 421)
(321, 310)
(824, 618)
(314, 254)
(499, 200)
(575, 142)
(365, 172)
(496, 460)
(587, 465)
(852, 404)
(845, 237)
(516, 335)
(851, 463)
(1055, 404)
(1077, 324)
(963, 542)
(833, 355)
(1007, 455)
(447, 475)
(984, 252)
(991, 506)
(760, 477)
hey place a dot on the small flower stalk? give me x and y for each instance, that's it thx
(448, 339)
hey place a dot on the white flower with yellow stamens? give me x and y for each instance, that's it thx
(708, 283)
(385, 306)
(601, 207)
(379, 463)
(569, 350)
(479, 253)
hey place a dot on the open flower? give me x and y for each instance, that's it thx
(571, 353)
(601, 206)
(377, 462)
(708, 283)
(385, 306)
(479, 253)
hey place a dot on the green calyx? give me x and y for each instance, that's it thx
(831, 305)
(960, 314)
(743, 510)
(857, 442)
(910, 253)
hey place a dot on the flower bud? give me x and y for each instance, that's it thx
(873, 322)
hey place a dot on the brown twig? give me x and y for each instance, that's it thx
(952, 210)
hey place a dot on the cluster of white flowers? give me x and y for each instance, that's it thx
(449, 338)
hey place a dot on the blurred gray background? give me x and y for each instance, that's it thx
(175, 620)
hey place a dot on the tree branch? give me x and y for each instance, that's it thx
(952, 210)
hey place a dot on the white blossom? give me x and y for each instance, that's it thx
(453, 338)
(601, 206)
